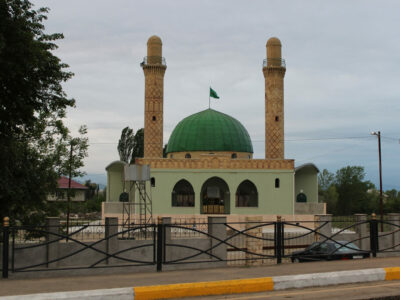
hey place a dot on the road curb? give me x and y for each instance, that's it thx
(224, 287)
(105, 294)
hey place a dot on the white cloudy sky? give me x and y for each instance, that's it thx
(342, 78)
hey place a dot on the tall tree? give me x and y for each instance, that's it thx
(131, 145)
(126, 144)
(33, 104)
(353, 195)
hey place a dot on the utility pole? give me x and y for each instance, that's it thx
(378, 134)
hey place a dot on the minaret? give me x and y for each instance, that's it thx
(274, 71)
(154, 69)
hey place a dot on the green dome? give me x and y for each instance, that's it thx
(209, 130)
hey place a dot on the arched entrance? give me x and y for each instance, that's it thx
(215, 196)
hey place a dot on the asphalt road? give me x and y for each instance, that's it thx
(19, 286)
(371, 290)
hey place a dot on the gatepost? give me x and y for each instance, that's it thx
(362, 231)
(167, 255)
(111, 236)
(52, 240)
(6, 224)
(325, 221)
(394, 218)
(217, 229)
(254, 242)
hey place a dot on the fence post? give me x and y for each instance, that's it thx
(52, 228)
(217, 228)
(6, 224)
(160, 232)
(394, 218)
(278, 239)
(111, 237)
(167, 238)
(362, 231)
(326, 230)
(373, 231)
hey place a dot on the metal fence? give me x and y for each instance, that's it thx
(195, 242)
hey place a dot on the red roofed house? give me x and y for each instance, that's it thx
(78, 189)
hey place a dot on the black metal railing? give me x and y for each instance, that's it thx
(196, 242)
(274, 62)
(153, 60)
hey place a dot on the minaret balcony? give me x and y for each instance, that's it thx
(274, 62)
(153, 60)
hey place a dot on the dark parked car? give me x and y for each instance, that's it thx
(329, 250)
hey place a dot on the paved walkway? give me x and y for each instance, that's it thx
(77, 283)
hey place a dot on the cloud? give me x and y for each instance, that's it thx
(342, 70)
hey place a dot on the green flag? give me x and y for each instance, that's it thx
(213, 93)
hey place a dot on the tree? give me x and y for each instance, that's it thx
(126, 144)
(325, 179)
(138, 148)
(33, 104)
(353, 195)
(131, 145)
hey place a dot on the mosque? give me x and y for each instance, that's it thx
(209, 168)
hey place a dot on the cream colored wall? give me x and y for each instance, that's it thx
(271, 200)
(307, 180)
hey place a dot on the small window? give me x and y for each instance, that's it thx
(187, 155)
(301, 198)
(276, 118)
(153, 181)
(234, 155)
(154, 118)
(277, 182)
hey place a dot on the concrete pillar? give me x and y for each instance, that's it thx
(168, 251)
(111, 230)
(394, 218)
(52, 226)
(362, 231)
(326, 230)
(217, 229)
(253, 241)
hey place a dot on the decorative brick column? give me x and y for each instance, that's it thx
(253, 243)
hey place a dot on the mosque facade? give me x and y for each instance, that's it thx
(209, 168)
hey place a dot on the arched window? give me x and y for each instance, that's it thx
(187, 155)
(153, 181)
(301, 197)
(246, 195)
(234, 155)
(277, 182)
(183, 194)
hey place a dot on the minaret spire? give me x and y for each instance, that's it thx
(154, 69)
(274, 72)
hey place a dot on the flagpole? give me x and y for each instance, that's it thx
(209, 101)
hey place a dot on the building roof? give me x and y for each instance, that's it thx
(209, 130)
(306, 166)
(63, 184)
